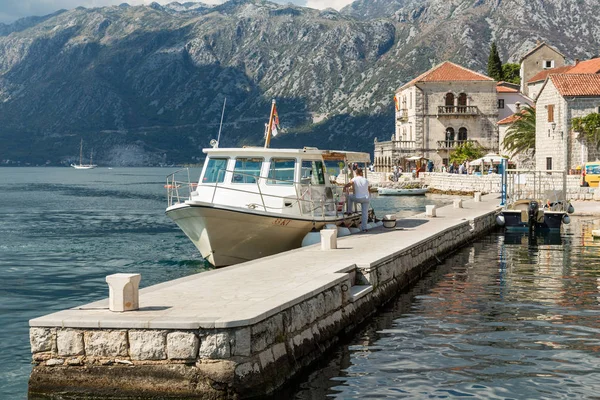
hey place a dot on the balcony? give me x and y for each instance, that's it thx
(405, 144)
(457, 110)
(402, 115)
(452, 144)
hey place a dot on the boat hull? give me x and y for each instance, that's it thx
(229, 236)
(401, 192)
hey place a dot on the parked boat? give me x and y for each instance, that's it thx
(81, 165)
(401, 192)
(535, 201)
(253, 202)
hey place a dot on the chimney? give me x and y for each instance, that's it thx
(518, 106)
(576, 61)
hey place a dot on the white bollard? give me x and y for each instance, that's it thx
(123, 292)
(477, 196)
(457, 203)
(328, 239)
(430, 211)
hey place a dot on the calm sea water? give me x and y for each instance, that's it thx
(63, 230)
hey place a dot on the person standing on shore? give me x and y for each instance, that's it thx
(361, 195)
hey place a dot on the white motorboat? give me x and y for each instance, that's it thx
(401, 191)
(81, 165)
(254, 202)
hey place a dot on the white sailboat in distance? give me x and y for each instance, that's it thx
(81, 165)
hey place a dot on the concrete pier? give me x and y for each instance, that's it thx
(244, 330)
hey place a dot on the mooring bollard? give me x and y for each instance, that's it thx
(328, 239)
(123, 292)
(477, 196)
(457, 203)
(430, 211)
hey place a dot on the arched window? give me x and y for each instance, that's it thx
(462, 133)
(449, 101)
(462, 102)
(449, 134)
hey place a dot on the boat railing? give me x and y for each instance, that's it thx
(547, 186)
(178, 189)
(313, 200)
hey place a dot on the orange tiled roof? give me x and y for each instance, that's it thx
(576, 84)
(504, 89)
(509, 120)
(542, 75)
(586, 67)
(447, 72)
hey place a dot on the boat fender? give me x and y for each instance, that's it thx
(312, 237)
(570, 209)
(566, 219)
(354, 230)
(500, 220)
(343, 231)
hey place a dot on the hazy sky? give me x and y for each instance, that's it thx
(10, 10)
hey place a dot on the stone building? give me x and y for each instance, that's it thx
(562, 98)
(443, 107)
(510, 99)
(541, 57)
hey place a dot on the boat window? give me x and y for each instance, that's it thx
(592, 169)
(215, 170)
(246, 170)
(282, 171)
(312, 172)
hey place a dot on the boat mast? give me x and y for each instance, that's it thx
(270, 127)
(81, 153)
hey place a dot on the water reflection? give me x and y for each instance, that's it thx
(507, 317)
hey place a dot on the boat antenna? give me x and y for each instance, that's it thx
(221, 124)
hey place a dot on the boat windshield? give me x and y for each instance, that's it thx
(312, 172)
(281, 171)
(246, 170)
(215, 170)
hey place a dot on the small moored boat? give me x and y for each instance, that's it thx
(401, 192)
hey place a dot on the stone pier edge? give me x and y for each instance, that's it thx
(236, 362)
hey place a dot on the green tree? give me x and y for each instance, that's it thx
(520, 136)
(588, 128)
(494, 68)
(466, 151)
(511, 73)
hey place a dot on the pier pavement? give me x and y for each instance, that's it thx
(247, 293)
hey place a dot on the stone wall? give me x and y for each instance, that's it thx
(445, 182)
(238, 362)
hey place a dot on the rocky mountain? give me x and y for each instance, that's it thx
(146, 84)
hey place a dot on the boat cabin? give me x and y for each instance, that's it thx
(286, 181)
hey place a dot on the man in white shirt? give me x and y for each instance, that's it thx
(360, 195)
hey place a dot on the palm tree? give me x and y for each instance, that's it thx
(520, 136)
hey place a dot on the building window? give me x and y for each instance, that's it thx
(500, 103)
(449, 134)
(598, 109)
(550, 112)
(410, 132)
(410, 100)
(462, 133)
(548, 64)
(548, 163)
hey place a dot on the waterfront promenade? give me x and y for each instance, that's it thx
(244, 330)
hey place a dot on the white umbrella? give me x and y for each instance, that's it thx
(489, 158)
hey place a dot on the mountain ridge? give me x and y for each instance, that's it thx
(145, 84)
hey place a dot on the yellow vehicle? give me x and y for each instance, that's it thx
(590, 174)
